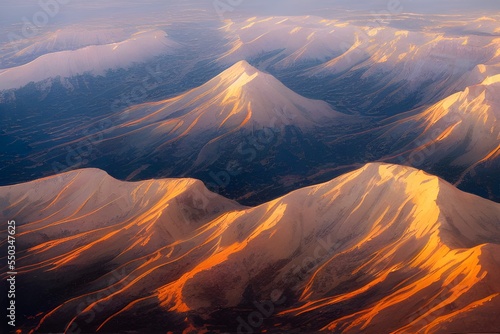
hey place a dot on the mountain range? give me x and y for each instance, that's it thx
(250, 170)
(236, 118)
(21, 52)
(367, 67)
(93, 59)
(452, 137)
(385, 248)
(245, 122)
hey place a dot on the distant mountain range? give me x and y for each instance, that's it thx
(93, 59)
(63, 39)
(385, 248)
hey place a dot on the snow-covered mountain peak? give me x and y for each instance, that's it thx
(235, 79)
(239, 68)
(241, 96)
